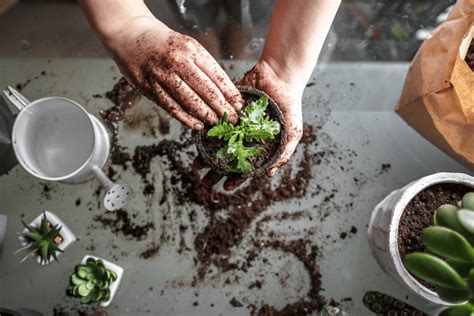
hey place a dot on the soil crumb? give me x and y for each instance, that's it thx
(119, 222)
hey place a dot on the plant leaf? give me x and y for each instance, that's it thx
(460, 310)
(446, 216)
(470, 280)
(466, 218)
(468, 201)
(434, 270)
(256, 109)
(453, 296)
(447, 243)
(461, 267)
(76, 280)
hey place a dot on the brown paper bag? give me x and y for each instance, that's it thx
(438, 95)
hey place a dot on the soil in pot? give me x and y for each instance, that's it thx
(470, 56)
(269, 147)
(418, 215)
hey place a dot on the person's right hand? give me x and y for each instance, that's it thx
(174, 71)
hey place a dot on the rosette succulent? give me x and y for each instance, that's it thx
(43, 240)
(91, 282)
(448, 262)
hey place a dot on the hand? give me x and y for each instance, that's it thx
(174, 71)
(287, 93)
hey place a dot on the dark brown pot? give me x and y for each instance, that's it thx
(258, 171)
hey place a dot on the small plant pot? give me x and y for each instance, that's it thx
(384, 225)
(66, 234)
(112, 267)
(209, 155)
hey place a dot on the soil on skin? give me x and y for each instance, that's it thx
(269, 146)
(470, 56)
(418, 214)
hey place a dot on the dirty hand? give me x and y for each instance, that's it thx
(174, 71)
(288, 96)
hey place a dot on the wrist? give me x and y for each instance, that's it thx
(293, 77)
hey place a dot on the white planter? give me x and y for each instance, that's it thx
(383, 230)
(66, 233)
(112, 267)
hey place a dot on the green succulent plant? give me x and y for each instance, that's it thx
(91, 282)
(254, 126)
(42, 240)
(448, 261)
(329, 310)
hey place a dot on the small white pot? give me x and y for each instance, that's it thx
(383, 230)
(112, 267)
(66, 233)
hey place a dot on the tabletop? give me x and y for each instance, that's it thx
(298, 237)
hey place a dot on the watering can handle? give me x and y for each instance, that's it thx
(16, 98)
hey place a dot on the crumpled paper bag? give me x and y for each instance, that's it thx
(438, 95)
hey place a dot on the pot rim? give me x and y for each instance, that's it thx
(269, 163)
(409, 193)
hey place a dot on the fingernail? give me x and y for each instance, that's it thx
(198, 126)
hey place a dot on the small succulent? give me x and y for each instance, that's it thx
(91, 281)
(42, 240)
(448, 261)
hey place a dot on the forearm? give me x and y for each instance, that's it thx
(107, 17)
(297, 32)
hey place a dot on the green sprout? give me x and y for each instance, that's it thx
(42, 240)
(253, 126)
(91, 282)
(448, 261)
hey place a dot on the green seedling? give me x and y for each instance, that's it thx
(42, 240)
(91, 282)
(448, 260)
(254, 126)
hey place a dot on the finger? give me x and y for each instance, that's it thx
(285, 156)
(161, 97)
(233, 181)
(215, 72)
(208, 91)
(188, 99)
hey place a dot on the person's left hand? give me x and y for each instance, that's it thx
(288, 96)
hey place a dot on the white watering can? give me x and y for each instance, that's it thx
(56, 139)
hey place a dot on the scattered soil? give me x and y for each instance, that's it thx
(419, 212)
(212, 144)
(307, 254)
(120, 222)
(235, 302)
(470, 56)
(151, 251)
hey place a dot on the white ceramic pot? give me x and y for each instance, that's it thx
(112, 267)
(66, 234)
(383, 230)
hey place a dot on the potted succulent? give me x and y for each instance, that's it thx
(95, 281)
(448, 262)
(45, 238)
(396, 225)
(251, 145)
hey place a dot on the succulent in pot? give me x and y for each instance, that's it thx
(396, 226)
(95, 281)
(250, 146)
(45, 238)
(448, 261)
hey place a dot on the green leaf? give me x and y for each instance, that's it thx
(468, 201)
(470, 280)
(113, 275)
(434, 270)
(460, 310)
(86, 299)
(256, 109)
(446, 216)
(77, 280)
(461, 267)
(82, 272)
(466, 218)
(223, 129)
(453, 296)
(90, 285)
(83, 290)
(447, 243)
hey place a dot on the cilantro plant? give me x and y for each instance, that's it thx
(253, 126)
